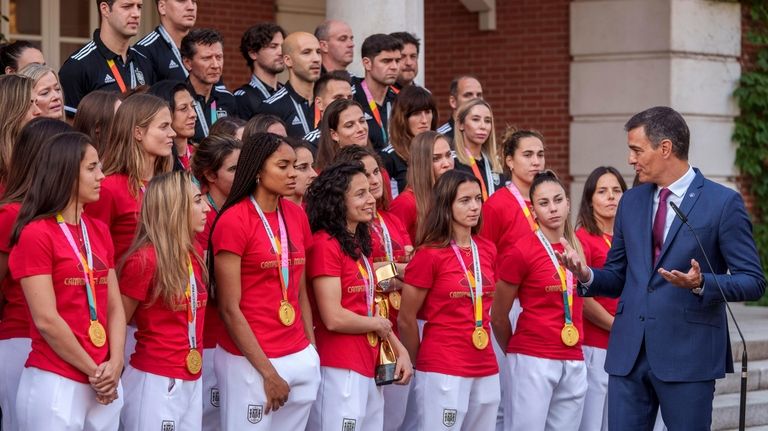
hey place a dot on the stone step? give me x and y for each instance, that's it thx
(752, 320)
(757, 378)
(757, 428)
(725, 410)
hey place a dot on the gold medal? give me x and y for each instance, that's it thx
(373, 339)
(97, 334)
(569, 335)
(194, 361)
(480, 338)
(394, 299)
(286, 313)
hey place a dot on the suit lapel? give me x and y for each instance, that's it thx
(689, 200)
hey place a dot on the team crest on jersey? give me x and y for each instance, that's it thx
(140, 77)
(254, 413)
(348, 424)
(221, 113)
(449, 417)
(496, 178)
(215, 397)
(168, 426)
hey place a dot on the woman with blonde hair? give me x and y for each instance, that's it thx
(430, 158)
(139, 147)
(17, 107)
(46, 92)
(475, 142)
(162, 282)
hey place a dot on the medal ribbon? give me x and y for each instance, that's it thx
(191, 294)
(318, 116)
(90, 281)
(117, 76)
(478, 175)
(176, 53)
(370, 286)
(277, 245)
(201, 118)
(566, 278)
(386, 238)
(214, 113)
(607, 240)
(520, 201)
(374, 109)
(475, 282)
(212, 203)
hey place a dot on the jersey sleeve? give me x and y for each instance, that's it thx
(513, 268)
(420, 270)
(135, 278)
(324, 258)
(33, 254)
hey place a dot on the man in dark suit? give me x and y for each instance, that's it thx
(669, 341)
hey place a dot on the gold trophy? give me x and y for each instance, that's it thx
(385, 371)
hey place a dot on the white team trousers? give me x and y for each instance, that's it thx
(457, 403)
(544, 394)
(595, 415)
(211, 417)
(154, 402)
(48, 401)
(14, 352)
(242, 396)
(347, 401)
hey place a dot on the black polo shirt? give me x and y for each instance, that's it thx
(396, 167)
(375, 132)
(165, 57)
(251, 95)
(87, 70)
(447, 131)
(225, 105)
(295, 111)
(313, 139)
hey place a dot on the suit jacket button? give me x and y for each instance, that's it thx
(642, 318)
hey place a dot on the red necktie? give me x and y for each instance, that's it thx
(659, 222)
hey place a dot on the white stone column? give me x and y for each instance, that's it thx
(367, 17)
(629, 55)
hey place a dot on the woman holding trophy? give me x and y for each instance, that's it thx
(450, 282)
(351, 330)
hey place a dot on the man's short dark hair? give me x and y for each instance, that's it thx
(660, 123)
(374, 44)
(199, 36)
(335, 75)
(98, 5)
(453, 90)
(407, 38)
(258, 37)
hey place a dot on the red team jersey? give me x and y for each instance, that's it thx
(598, 251)
(43, 250)
(118, 209)
(15, 320)
(446, 346)
(404, 207)
(162, 342)
(213, 323)
(528, 266)
(241, 232)
(338, 350)
(503, 220)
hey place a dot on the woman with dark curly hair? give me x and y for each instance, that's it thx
(258, 245)
(348, 327)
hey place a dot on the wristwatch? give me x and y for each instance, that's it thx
(699, 290)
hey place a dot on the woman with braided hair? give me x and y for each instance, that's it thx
(257, 255)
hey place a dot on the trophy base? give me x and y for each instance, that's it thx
(385, 374)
